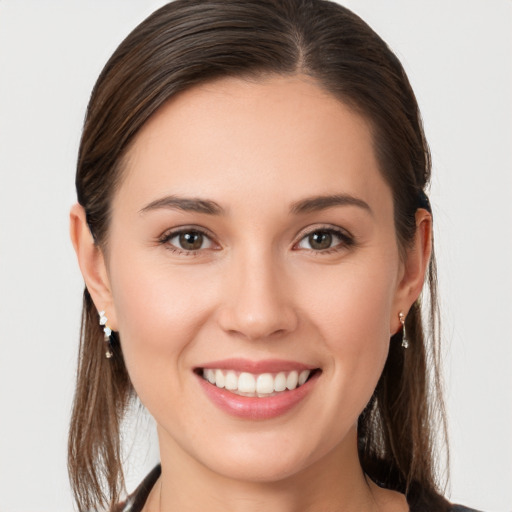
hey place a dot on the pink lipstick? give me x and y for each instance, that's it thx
(256, 390)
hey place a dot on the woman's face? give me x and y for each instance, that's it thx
(252, 243)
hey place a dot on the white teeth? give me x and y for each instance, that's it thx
(231, 382)
(303, 376)
(248, 384)
(219, 379)
(292, 380)
(280, 382)
(265, 383)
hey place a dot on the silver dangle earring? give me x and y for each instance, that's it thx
(405, 341)
(108, 332)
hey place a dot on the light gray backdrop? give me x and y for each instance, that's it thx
(458, 56)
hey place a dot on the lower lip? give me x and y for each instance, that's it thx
(254, 408)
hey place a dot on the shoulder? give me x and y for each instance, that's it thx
(460, 508)
(135, 502)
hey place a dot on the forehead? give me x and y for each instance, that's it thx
(284, 136)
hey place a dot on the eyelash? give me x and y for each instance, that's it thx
(346, 239)
(169, 235)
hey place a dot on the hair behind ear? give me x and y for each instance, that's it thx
(103, 391)
(396, 431)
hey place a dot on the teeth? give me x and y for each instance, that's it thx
(303, 377)
(265, 384)
(219, 379)
(280, 382)
(248, 384)
(292, 380)
(231, 382)
(210, 376)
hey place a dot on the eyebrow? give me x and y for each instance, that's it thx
(186, 204)
(209, 207)
(317, 203)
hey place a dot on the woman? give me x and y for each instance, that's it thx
(254, 234)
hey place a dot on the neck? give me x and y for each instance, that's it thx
(335, 482)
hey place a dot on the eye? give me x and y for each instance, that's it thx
(325, 240)
(187, 240)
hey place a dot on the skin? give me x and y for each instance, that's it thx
(256, 289)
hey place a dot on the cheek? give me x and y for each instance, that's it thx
(350, 307)
(159, 312)
(354, 298)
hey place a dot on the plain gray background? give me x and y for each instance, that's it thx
(458, 54)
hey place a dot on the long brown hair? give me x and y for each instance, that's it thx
(188, 42)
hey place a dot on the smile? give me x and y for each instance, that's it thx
(257, 390)
(256, 385)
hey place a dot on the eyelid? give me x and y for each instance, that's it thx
(169, 234)
(346, 237)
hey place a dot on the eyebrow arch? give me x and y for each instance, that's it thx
(187, 204)
(317, 203)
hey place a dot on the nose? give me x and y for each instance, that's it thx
(258, 302)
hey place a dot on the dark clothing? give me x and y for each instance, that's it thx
(136, 501)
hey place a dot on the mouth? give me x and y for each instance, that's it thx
(257, 390)
(256, 385)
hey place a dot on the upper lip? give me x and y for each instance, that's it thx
(257, 367)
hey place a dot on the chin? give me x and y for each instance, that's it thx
(270, 458)
(269, 470)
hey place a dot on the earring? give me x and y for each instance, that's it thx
(405, 341)
(108, 332)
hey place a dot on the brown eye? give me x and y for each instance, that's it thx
(320, 240)
(187, 241)
(191, 240)
(326, 241)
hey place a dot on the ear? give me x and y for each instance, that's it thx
(414, 268)
(92, 263)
